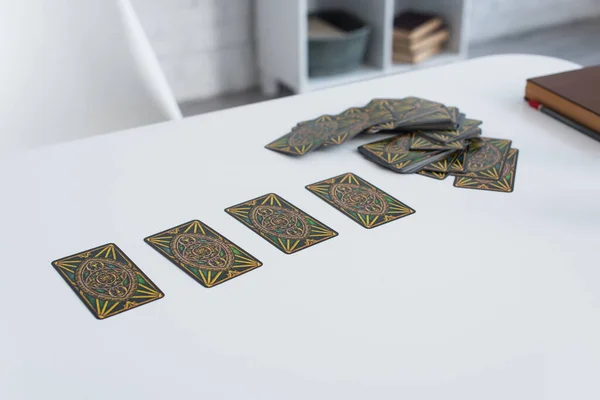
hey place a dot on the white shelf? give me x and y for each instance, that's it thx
(283, 41)
(445, 57)
(322, 82)
(366, 72)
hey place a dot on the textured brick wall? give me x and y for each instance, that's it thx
(206, 47)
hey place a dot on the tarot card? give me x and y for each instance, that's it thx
(421, 142)
(444, 164)
(485, 158)
(350, 123)
(506, 182)
(202, 253)
(394, 153)
(363, 202)
(440, 176)
(305, 137)
(412, 113)
(281, 223)
(459, 162)
(107, 281)
(467, 130)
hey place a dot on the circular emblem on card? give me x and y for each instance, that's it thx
(486, 157)
(399, 146)
(358, 198)
(280, 222)
(106, 279)
(202, 252)
(310, 133)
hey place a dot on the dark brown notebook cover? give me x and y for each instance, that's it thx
(575, 94)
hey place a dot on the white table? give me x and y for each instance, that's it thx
(479, 295)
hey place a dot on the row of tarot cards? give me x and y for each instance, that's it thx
(108, 282)
(431, 139)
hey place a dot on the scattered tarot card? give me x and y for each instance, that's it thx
(485, 158)
(468, 129)
(506, 182)
(305, 137)
(107, 281)
(202, 253)
(444, 164)
(390, 154)
(380, 117)
(379, 112)
(457, 121)
(281, 223)
(457, 116)
(430, 139)
(361, 201)
(440, 176)
(384, 127)
(413, 108)
(350, 123)
(394, 153)
(470, 134)
(470, 123)
(420, 142)
(411, 113)
(458, 165)
(426, 115)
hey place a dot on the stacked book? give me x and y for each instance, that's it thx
(417, 36)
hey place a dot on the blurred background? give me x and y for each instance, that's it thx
(96, 66)
(223, 53)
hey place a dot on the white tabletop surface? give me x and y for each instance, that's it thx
(479, 295)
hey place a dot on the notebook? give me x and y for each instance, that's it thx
(573, 94)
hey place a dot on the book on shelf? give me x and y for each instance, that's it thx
(414, 58)
(413, 25)
(417, 36)
(434, 40)
(574, 95)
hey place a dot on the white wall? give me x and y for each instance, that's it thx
(206, 47)
(496, 18)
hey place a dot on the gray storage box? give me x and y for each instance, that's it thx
(338, 54)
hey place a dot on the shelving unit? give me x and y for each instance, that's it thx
(322, 82)
(283, 41)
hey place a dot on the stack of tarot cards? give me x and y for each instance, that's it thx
(429, 139)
